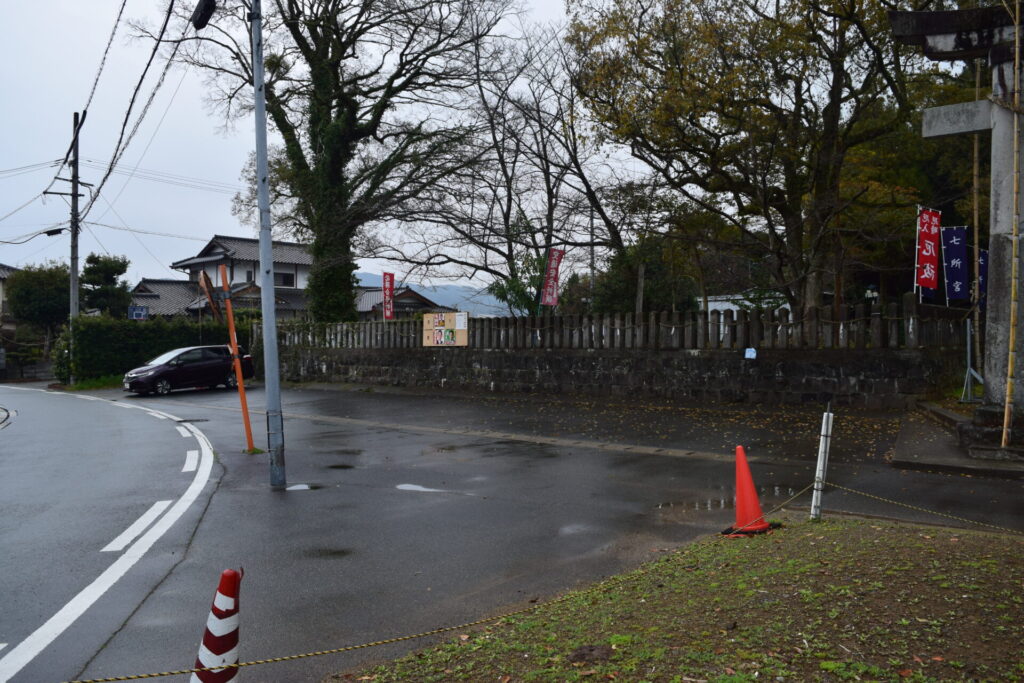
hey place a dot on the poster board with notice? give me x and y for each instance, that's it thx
(446, 329)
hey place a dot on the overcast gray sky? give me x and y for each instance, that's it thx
(50, 54)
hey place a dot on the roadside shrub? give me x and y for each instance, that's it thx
(107, 346)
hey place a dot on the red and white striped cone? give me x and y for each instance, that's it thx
(220, 641)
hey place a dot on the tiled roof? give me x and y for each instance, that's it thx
(6, 270)
(248, 249)
(164, 297)
(247, 295)
(368, 298)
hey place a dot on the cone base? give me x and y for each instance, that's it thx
(733, 532)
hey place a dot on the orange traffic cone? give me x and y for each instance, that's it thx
(749, 518)
(220, 640)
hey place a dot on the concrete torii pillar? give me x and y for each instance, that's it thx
(962, 35)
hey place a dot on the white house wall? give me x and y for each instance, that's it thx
(242, 268)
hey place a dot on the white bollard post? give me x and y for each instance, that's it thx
(819, 474)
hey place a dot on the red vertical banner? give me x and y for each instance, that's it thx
(927, 271)
(388, 287)
(549, 295)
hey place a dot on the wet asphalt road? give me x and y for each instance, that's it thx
(424, 509)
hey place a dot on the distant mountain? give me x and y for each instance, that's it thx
(460, 297)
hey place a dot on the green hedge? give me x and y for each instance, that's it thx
(106, 346)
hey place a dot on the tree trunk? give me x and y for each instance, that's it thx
(331, 284)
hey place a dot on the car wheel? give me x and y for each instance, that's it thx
(162, 387)
(230, 382)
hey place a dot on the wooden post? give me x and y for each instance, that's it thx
(757, 328)
(810, 327)
(743, 330)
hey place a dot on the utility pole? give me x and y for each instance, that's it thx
(271, 368)
(74, 224)
(275, 419)
(73, 152)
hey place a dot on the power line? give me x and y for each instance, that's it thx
(168, 179)
(122, 142)
(22, 239)
(8, 215)
(103, 59)
(20, 170)
(136, 237)
(148, 232)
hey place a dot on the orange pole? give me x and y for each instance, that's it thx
(235, 360)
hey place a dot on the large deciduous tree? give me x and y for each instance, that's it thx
(749, 108)
(366, 96)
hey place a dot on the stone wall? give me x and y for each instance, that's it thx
(875, 378)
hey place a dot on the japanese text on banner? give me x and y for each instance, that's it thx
(549, 295)
(927, 249)
(388, 287)
(954, 263)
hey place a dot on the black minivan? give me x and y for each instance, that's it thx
(193, 366)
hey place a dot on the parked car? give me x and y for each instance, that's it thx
(193, 366)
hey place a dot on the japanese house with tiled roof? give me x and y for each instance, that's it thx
(241, 258)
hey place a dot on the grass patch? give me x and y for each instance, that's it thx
(105, 382)
(836, 600)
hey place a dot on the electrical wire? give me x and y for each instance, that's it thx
(148, 232)
(167, 179)
(110, 207)
(21, 170)
(103, 59)
(32, 235)
(11, 213)
(122, 141)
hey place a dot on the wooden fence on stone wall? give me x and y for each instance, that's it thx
(893, 326)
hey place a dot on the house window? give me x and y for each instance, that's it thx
(284, 279)
(248, 276)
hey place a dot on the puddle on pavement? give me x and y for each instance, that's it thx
(722, 500)
(572, 529)
(340, 467)
(304, 487)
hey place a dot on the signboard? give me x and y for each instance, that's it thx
(138, 312)
(954, 263)
(388, 288)
(549, 295)
(446, 329)
(927, 269)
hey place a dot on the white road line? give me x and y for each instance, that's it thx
(184, 432)
(26, 650)
(191, 459)
(155, 414)
(129, 534)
